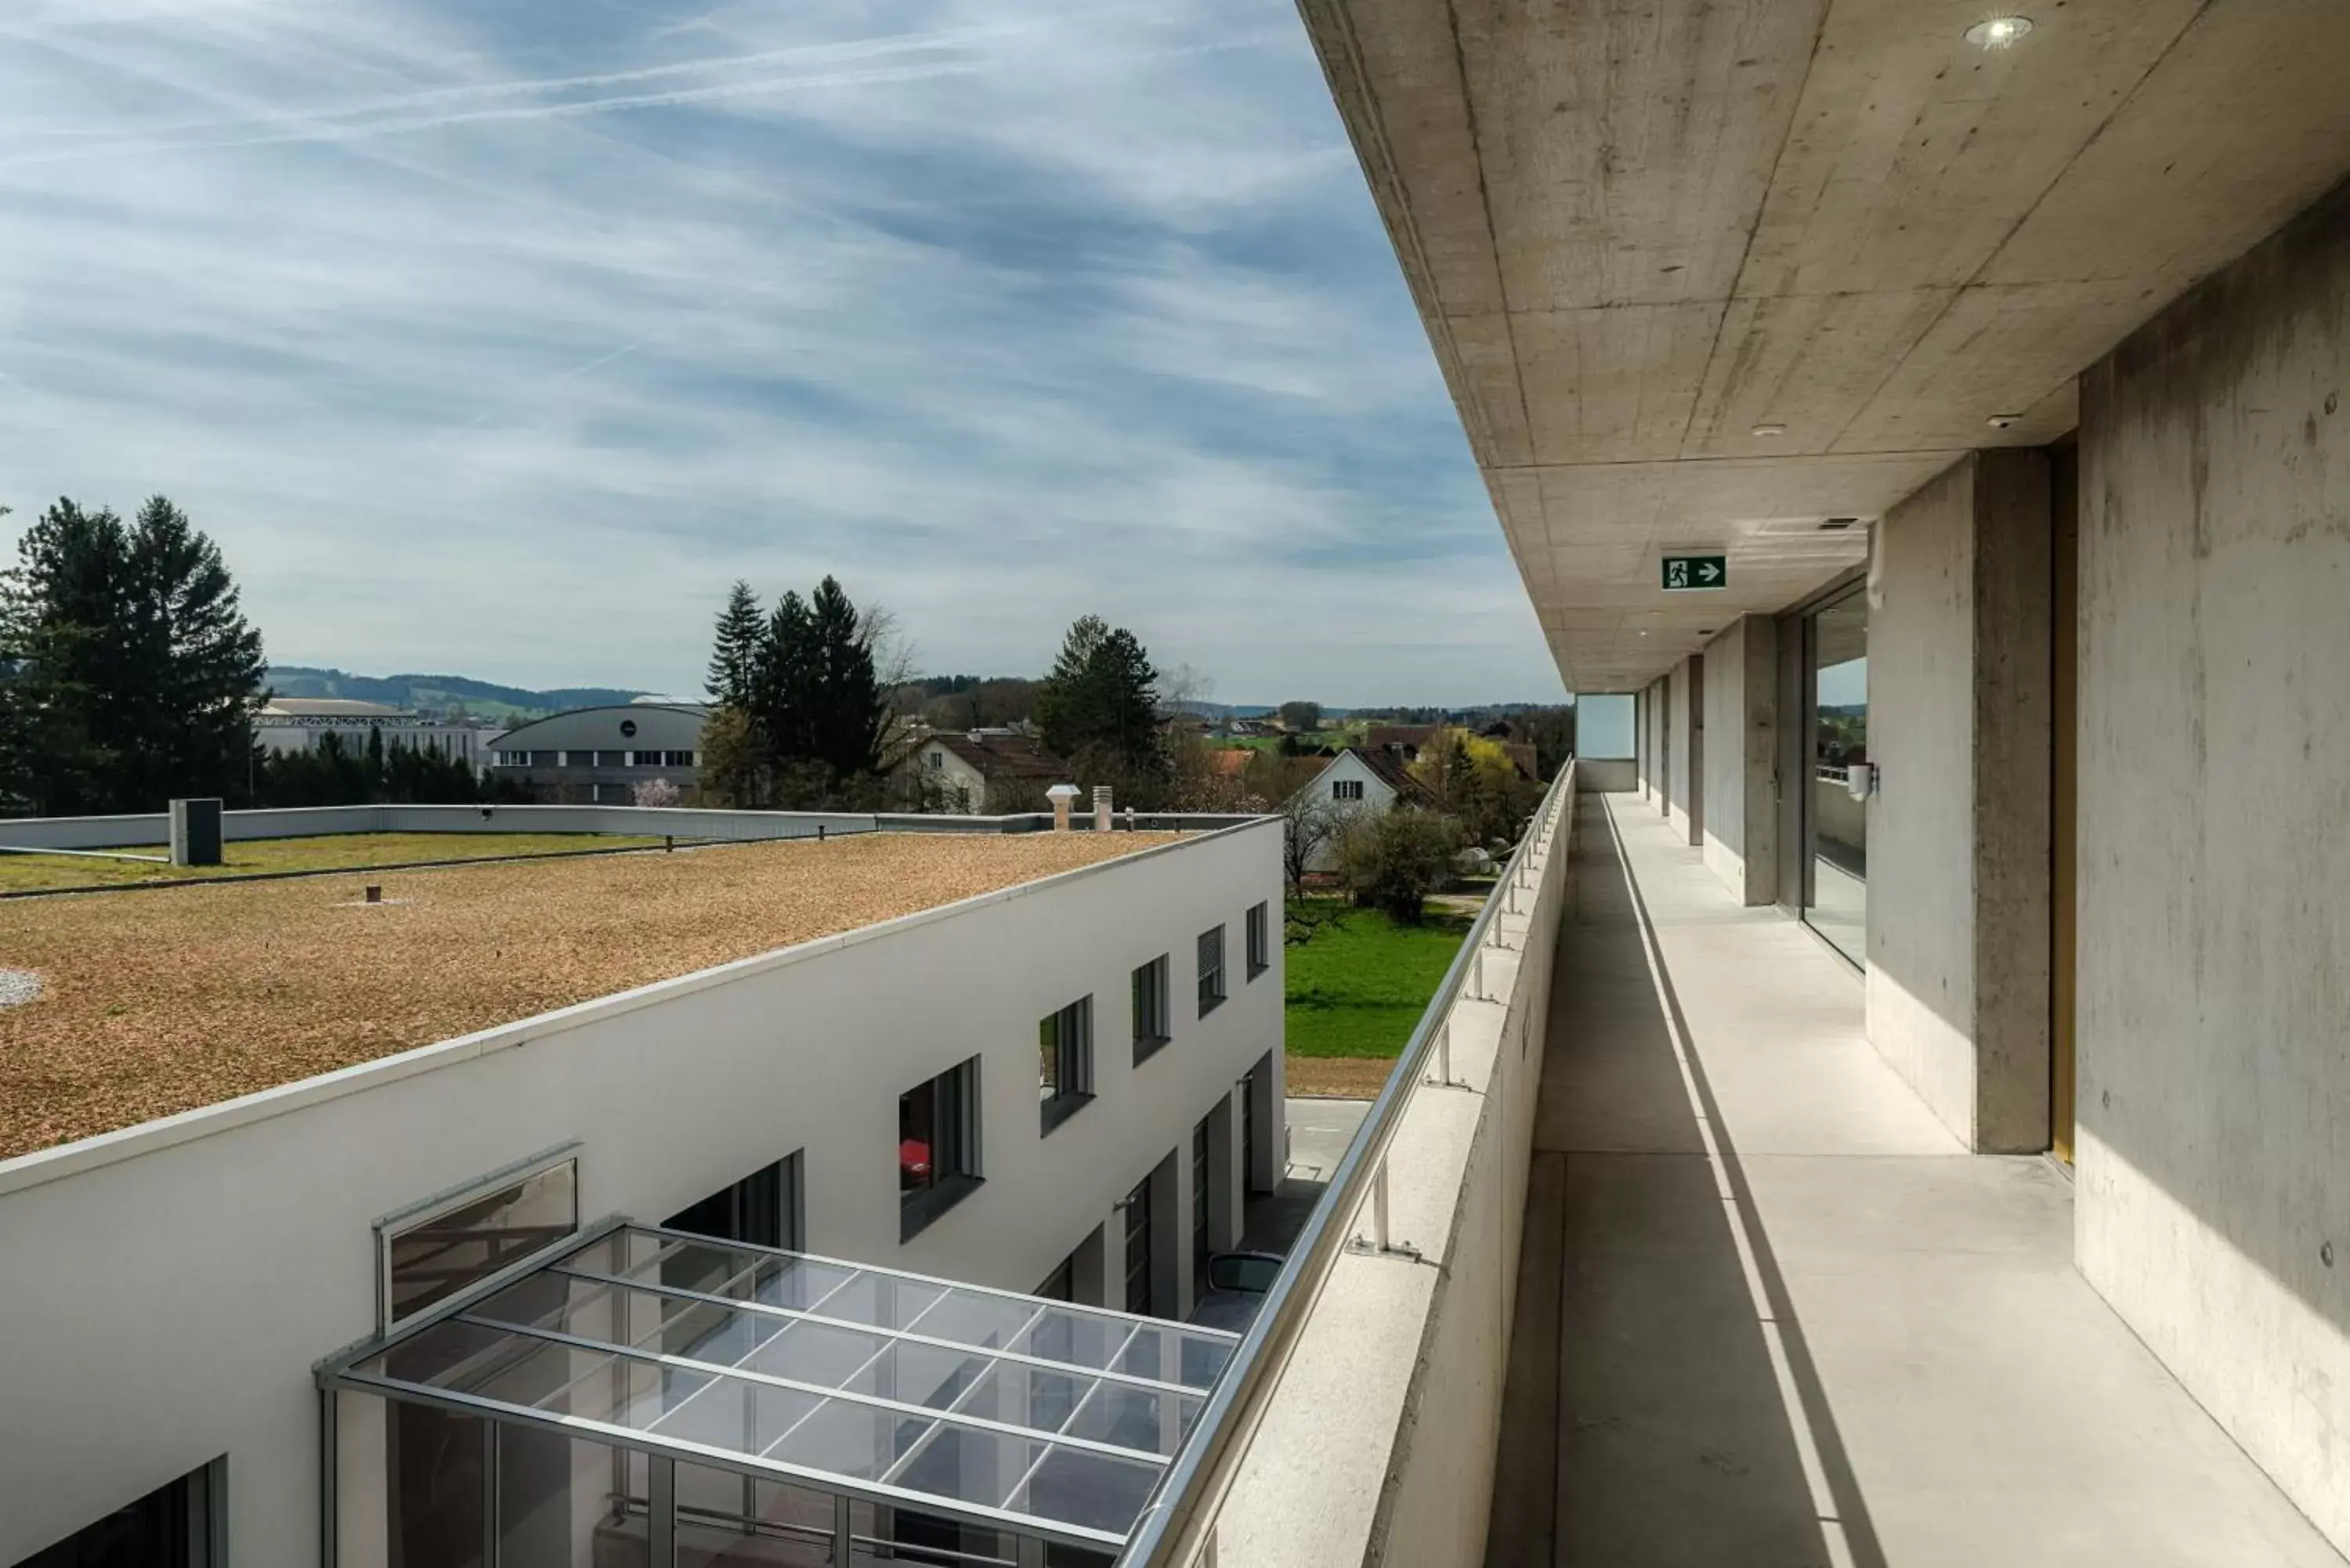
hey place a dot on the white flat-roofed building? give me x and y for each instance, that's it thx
(603, 754)
(297, 724)
(1045, 1068)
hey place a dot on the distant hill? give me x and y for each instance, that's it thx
(444, 695)
(1247, 710)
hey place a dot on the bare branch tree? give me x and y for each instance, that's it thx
(1183, 687)
(1307, 824)
(878, 632)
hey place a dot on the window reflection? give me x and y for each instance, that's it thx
(437, 1257)
(1836, 902)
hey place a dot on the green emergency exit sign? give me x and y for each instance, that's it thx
(1683, 573)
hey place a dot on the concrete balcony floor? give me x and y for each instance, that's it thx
(1771, 1316)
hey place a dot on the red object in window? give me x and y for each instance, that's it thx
(914, 1160)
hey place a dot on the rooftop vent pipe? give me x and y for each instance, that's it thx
(1061, 795)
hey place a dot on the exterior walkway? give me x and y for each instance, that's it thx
(1770, 1315)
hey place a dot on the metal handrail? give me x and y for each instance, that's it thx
(1176, 1524)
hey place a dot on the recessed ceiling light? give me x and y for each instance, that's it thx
(1770, 430)
(1999, 32)
(2001, 422)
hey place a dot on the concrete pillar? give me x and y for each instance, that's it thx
(1113, 1255)
(1171, 1241)
(1958, 695)
(1638, 741)
(1685, 749)
(1661, 704)
(1089, 1278)
(1227, 1179)
(1739, 699)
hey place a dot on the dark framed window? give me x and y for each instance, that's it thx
(938, 1147)
(179, 1524)
(1212, 971)
(1154, 1022)
(1065, 1062)
(766, 1209)
(1260, 939)
(1201, 1188)
(1138, 1248)
(446, 1245)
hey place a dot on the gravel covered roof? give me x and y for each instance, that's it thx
(153, 1002)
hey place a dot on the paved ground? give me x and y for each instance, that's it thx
(1319, 1131)
(1770, 1315)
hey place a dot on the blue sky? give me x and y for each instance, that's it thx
(497, 338)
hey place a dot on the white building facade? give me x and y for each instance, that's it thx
(603, 755)
(298, 724)
(172, 1286)
(1355, 780)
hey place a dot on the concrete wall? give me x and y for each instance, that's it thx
(2214, 849)
(1606, 775)
(1957, 837)
(1378, 1446)
(1741, 721)
(168, 1288)
(1685, 748)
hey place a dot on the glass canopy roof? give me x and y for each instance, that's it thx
(1002, 1410)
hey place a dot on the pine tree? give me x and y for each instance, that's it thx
(1101, 700)
(199, 663)
(1062, 706)
(847, 708)
(59, 607)
(1129, 688)
(132, 672)
(734, 659)
(785, 688)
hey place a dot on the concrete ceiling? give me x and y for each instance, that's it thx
(1639, 229)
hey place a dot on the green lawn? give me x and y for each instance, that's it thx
(342, 851)
(1360, 981)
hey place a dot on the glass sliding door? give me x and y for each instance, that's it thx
(1836, 824)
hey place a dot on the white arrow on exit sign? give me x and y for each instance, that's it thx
(1685, 573)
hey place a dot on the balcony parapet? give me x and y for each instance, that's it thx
(1359, 1421)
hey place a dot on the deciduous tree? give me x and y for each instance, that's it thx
(1309, 823)
(1392, 860)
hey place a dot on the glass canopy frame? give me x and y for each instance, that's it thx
(1038, 1419)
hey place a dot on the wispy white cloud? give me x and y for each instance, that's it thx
(500, 338)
